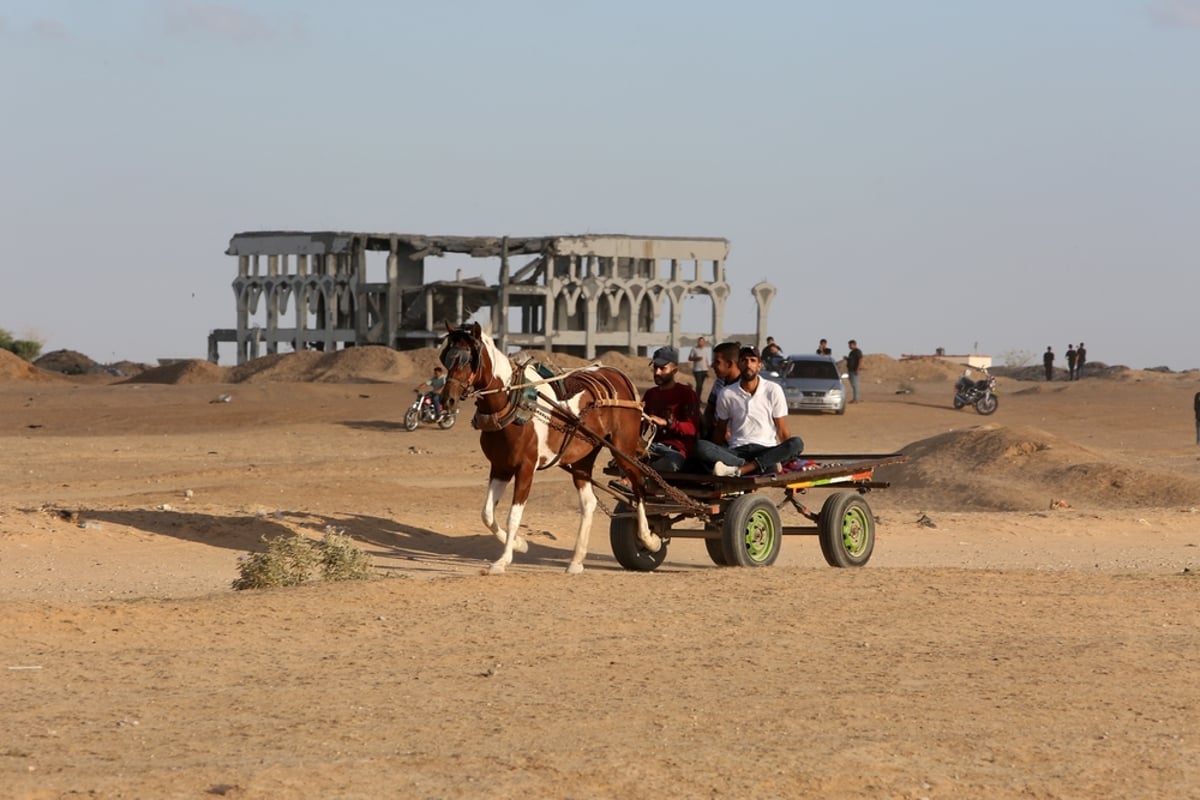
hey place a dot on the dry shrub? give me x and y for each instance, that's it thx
(292, 560)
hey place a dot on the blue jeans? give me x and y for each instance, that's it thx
(764, 457)
(665, 459)
(436, 399)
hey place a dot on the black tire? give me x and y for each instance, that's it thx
(623, 536)
(846, 529)
(412, 419)
(716, 551)
(751, 532)
(988, 405)
(447, 421)
(957, 403)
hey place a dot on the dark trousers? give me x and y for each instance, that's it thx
(765, 457)
(700, 377)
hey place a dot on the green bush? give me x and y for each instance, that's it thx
(292, 560)
(25, 348)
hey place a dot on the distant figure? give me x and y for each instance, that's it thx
(772, 354)
(823, 349)
(1080, 360)
(700, 356)
(433, 389)
(752, 432)
(725, 365)
(1196, 405)
(853, 361)
(1048, 363)
(1071, 360)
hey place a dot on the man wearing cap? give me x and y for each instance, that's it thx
(752, 433)
(674, 409)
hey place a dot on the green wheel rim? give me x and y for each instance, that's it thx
(761, 535)
(855, 527)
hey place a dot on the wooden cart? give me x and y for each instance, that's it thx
(742, 524)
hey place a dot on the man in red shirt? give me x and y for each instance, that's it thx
(674, 409)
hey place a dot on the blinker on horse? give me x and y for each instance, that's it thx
(527, 423)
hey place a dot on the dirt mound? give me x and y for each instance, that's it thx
(182, 372)
(68, 362)
(995, 468)
(883, 368)
(15, 368)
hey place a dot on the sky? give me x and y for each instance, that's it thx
(990, 176)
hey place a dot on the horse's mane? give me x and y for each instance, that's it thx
(501, 365)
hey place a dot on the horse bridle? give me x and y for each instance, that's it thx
(456, 355)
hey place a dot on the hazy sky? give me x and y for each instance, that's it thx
(911, 173)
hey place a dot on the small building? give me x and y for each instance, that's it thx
(571, 294)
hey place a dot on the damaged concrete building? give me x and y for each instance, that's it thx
(581, 295)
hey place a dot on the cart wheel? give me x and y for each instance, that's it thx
(751, 531)
(716, 551)
(623, 535)
(412, 419)
(846, 529)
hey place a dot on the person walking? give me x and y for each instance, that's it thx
(700, 356)
(1080, 360)
(1071, 359)
(1048, 363)
(823, 348)
(752, 432)
(853, 361)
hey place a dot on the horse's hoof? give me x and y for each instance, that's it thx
(653, 543)
(520, 545)
(496, 569)
(574, 569)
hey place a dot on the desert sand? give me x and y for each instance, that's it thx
(1029, 624)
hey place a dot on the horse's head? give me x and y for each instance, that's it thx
(463, 357)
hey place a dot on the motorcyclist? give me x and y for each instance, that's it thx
(433, 390)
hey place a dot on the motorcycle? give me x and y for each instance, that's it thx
(423, 410)
(980, 393)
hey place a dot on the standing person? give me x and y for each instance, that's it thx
(1080, 360)
(823, 349)
(1071, 360)
(1196, 405)
(674, 409)
(752, 432)
(1048, 363)
(853, 361)
(700, 356)
(725, 365)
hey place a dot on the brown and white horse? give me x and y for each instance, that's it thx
(528, 423)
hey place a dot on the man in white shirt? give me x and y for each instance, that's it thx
(751, 418)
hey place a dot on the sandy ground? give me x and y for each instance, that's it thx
(1014, 650)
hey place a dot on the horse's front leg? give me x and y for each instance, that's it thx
(495, 491)
(524, 481)
(587, 508)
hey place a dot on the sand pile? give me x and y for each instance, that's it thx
(68, 362)
(15, 368)
(182, 372)
(995, 468)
